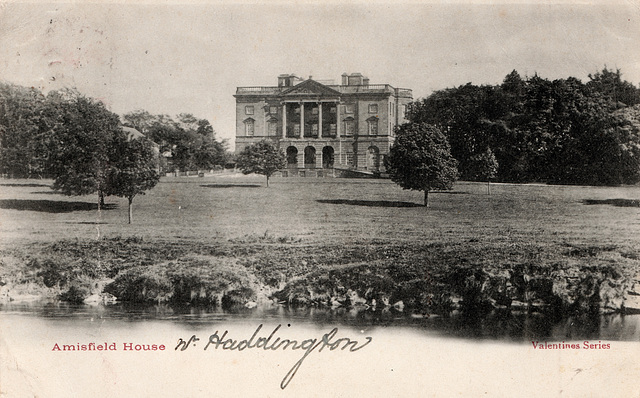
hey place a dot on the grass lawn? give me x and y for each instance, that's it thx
(327, 211)
(307, 228)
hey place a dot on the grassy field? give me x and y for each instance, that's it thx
(322, 232)
(325, 211)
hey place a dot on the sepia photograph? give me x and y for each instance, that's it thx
(319, 199)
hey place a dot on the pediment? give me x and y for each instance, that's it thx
(311, 88)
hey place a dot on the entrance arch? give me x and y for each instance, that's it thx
(309, 157)
(327, 157)
(292, 157)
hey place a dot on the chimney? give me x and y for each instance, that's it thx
(345, 80)
(355, 79)
(287, 80)
(283, 80)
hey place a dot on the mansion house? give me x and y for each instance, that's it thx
(321, 125)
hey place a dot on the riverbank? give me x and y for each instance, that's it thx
(411, 277)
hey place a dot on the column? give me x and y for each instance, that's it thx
(284, 120)
(319, 119)
(301, 119)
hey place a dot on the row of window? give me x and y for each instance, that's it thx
(348, 108)
(349, 128)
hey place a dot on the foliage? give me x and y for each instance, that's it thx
(24, 120)
(484, 166)
(82, 144)
(134, 170)
(190, 141)
(261, 158)
(610, 84)
(561, 131)
(73, 139)
(421, 160)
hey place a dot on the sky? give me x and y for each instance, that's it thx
(190, 57)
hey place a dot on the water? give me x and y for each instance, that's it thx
(407, 356)
(518, 327)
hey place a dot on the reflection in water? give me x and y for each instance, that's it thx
(497, 325)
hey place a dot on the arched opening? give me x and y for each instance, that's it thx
(292, 157)
(309, 157)
(327, 157)
(373, 158)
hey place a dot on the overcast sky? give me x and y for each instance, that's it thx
(191, 57)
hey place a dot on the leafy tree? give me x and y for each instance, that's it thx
(140, 120)
(82, 144)
(420, 159)
(610, 84)
(485, 167)
(261, 158)
(191, 141)
(24, 118)
(466, 115)
(199, 152)
(561, 131)
(135, 170)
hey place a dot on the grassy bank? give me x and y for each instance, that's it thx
(335, 242)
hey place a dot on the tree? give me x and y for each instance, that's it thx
(619, 92)
(191, 141)
(466, 115)
(134, 172)
(23, 119)
(485, 167)
(82, 143)
(420, 159)
(261, 158)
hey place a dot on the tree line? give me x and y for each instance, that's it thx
(81, 145)
(189, 142)
(538, 130)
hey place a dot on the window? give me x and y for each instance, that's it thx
(314, 110)
(349, 127)
(372, 126)
(348, 108)
(296, 130)
(272, 128)
(333, 109)
(373, 108)
(350, 159)
(332, 129)
(249, 127)
(273, 110)
(248, 110)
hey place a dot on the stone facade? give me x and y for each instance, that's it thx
(323, 126)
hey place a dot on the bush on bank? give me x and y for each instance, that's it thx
(186, 281)
(426, 278)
